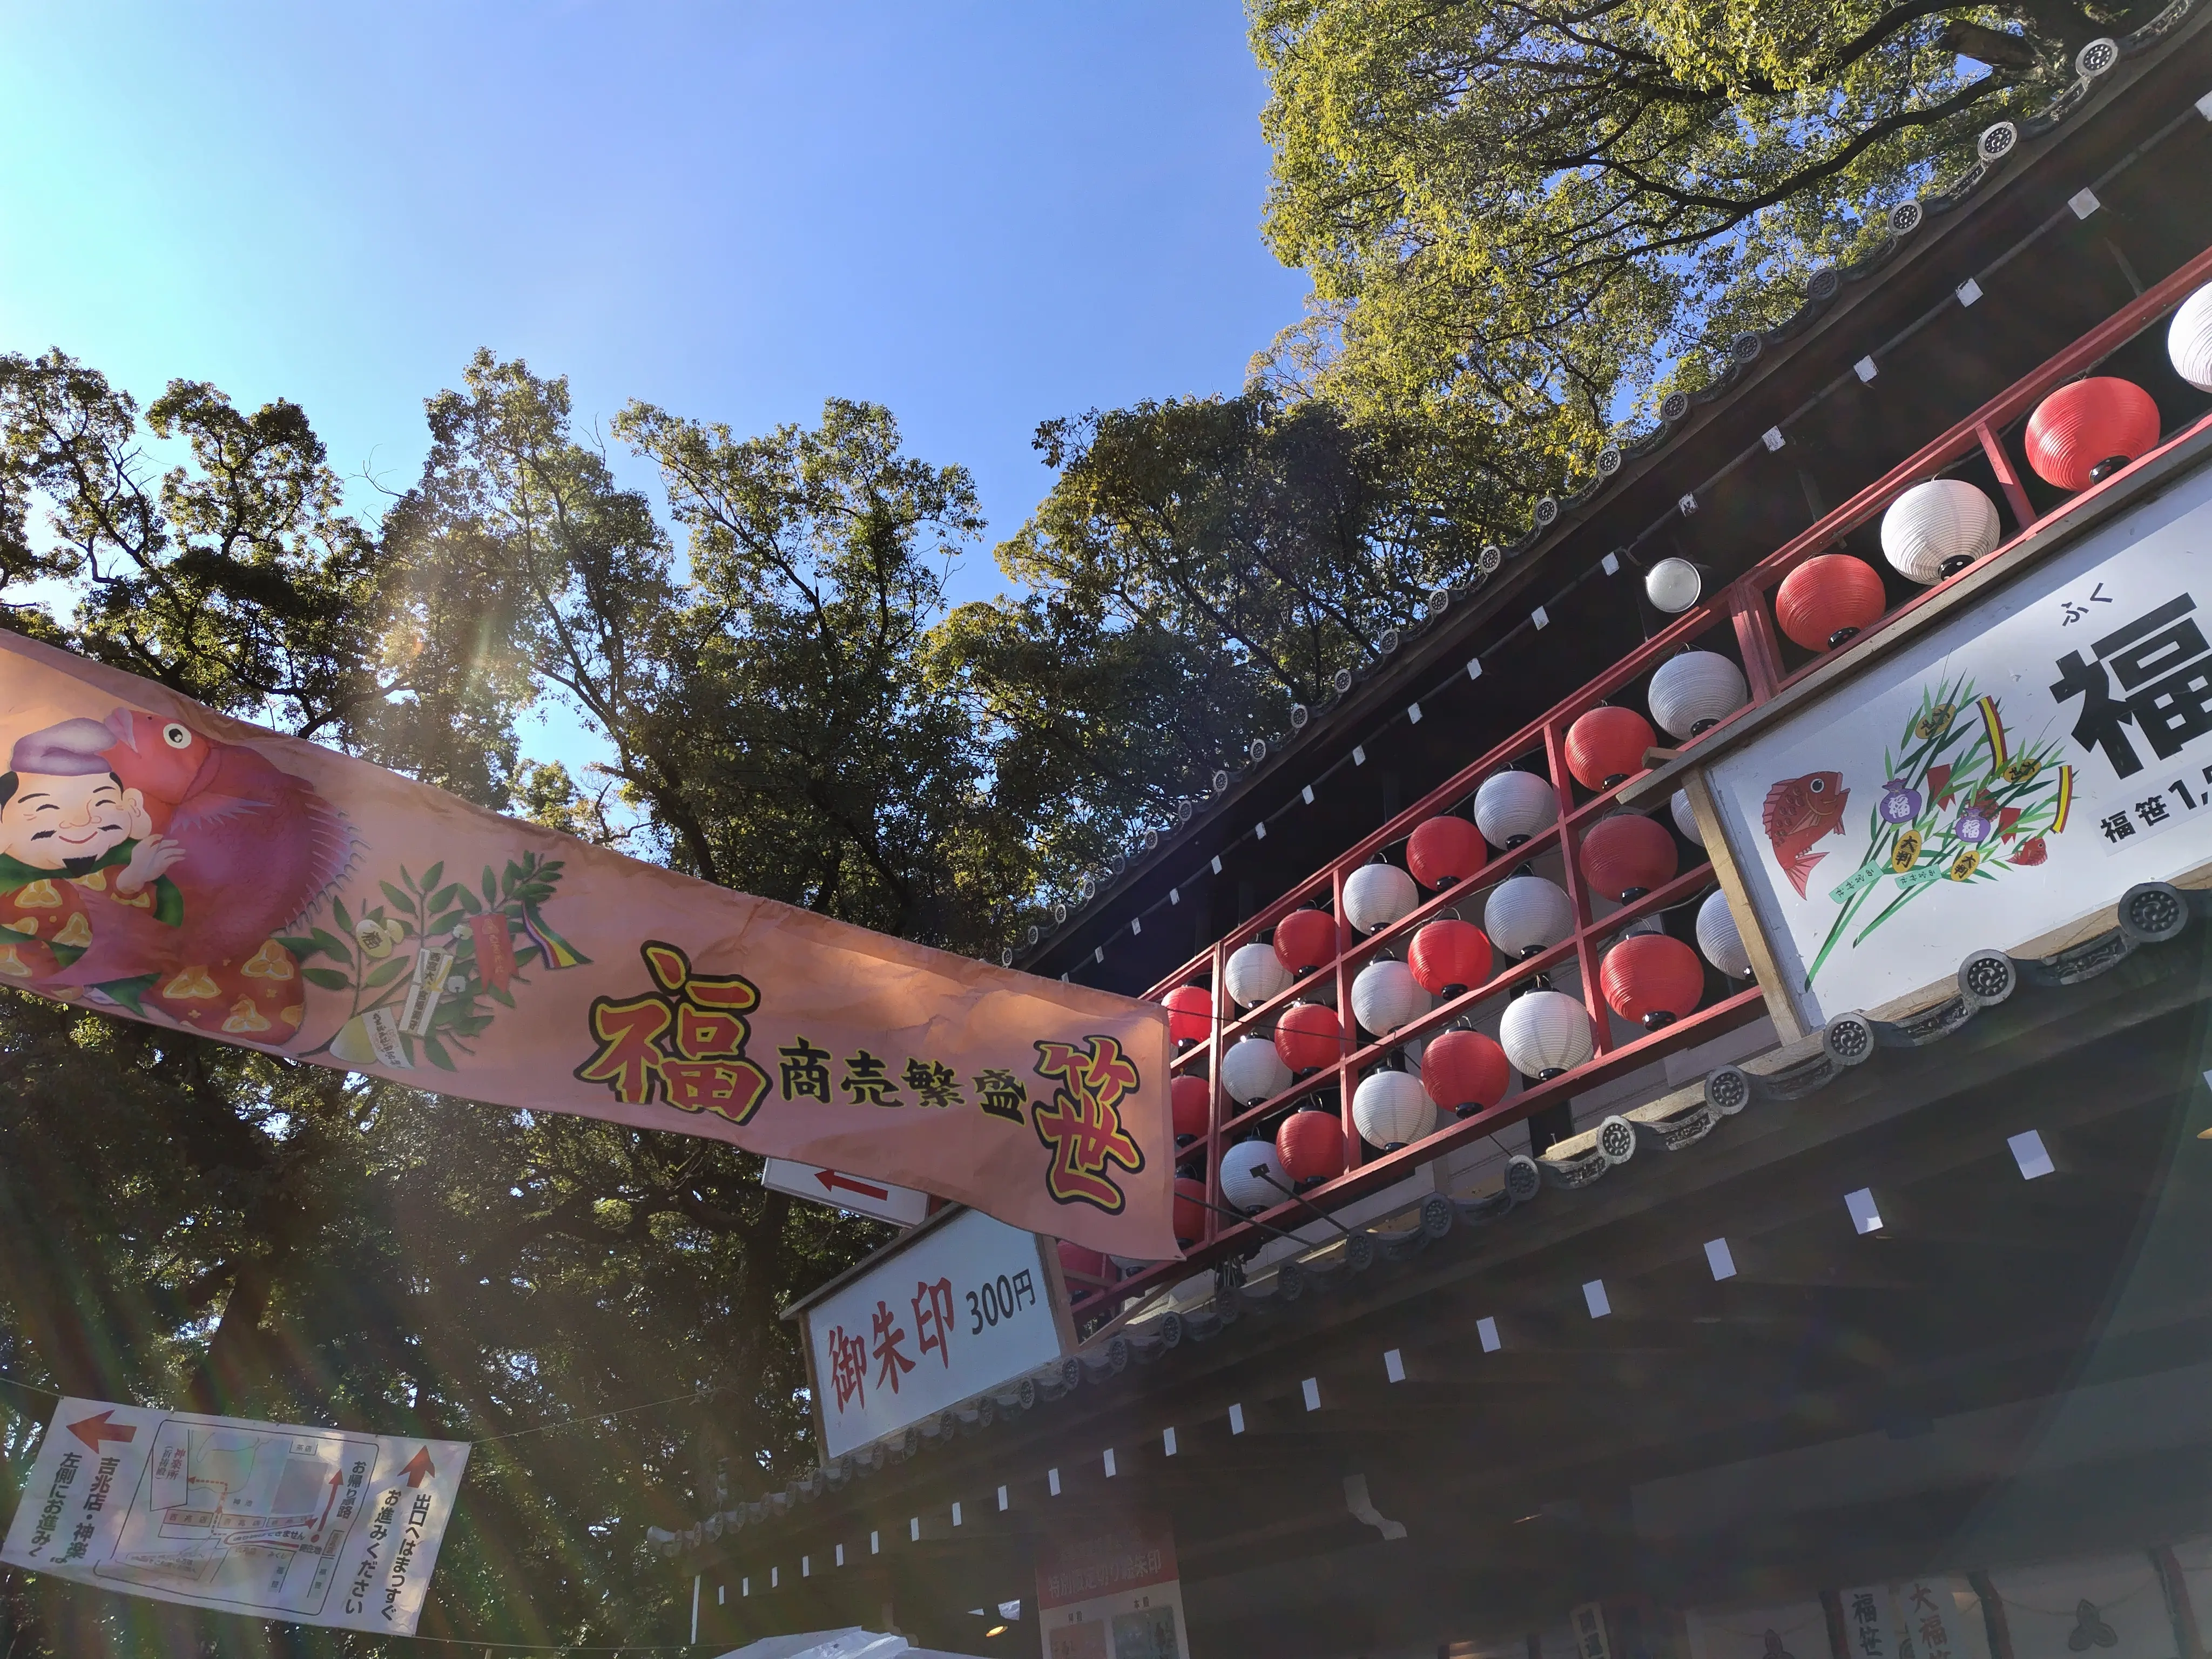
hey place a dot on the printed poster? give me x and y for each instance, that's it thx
(2007, 774)
(1112, 1593)
(315, 1526)
(164, 863)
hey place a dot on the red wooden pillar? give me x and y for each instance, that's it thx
(1213, 1094)
(1754, 638)
(2023, 512)
(1559, 1120)
(1342, 975)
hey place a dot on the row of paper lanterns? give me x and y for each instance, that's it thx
(2074, 438)
(2078, 435)
(1623, 856)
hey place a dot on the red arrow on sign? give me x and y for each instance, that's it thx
(96, 1430)
(831, 1181)
(419, 1467)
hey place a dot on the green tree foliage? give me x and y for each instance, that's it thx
(225, 1231)
(812, 750)
(1199, 566)
(233, 576)
(1522, 214)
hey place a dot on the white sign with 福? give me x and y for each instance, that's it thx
(315, 1526)
(902, 1207)
(1996, 780)
(969, 1303)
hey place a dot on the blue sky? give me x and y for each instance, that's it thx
(981, 215)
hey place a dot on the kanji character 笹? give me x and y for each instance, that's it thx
(1082, 1123)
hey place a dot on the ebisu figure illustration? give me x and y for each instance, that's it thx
(145, 865)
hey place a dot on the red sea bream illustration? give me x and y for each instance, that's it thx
(1799, 811)
(261, 846)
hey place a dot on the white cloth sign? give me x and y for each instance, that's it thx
(970, 1304)
(315, 1526)
(1997, 778)
(1939, 1619)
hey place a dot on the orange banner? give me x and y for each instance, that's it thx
(162, 861)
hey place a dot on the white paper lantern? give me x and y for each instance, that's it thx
(1376, 895)
(1253, 973)
(2189, 341)
(1511, 807)
(1391, 1109)
(1253, 1072)
(1673, 585)
(1527, 914)
(1685, 819)
(1242, 1167)
(1695, 690)
(1386, 995)
(1718, 938)
(1936, 522)
(1544, 1033)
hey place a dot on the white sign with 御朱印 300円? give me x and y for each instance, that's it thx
(964, 1304)
(2006, 773)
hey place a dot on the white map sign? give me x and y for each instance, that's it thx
(1997, 778)
(970, 1304)
(315, 1526)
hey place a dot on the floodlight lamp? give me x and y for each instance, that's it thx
(1673, 586)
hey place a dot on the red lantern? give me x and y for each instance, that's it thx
(1311, 1146)
(1309, 1036)
(1074, 1260)
(1607, 745)
(1189, 1214)
(1445, 850)
(1448, 956)
(1654, 979)
(1305, 939)
(2089, 431)
(1626, 855)
(1190, 1013)
(1190, 1100)
(1466, 1072)
(1826, 599)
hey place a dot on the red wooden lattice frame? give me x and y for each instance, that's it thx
(1745, 605)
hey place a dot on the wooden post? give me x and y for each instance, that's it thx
(2178, 1606)
(1781, 1006)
